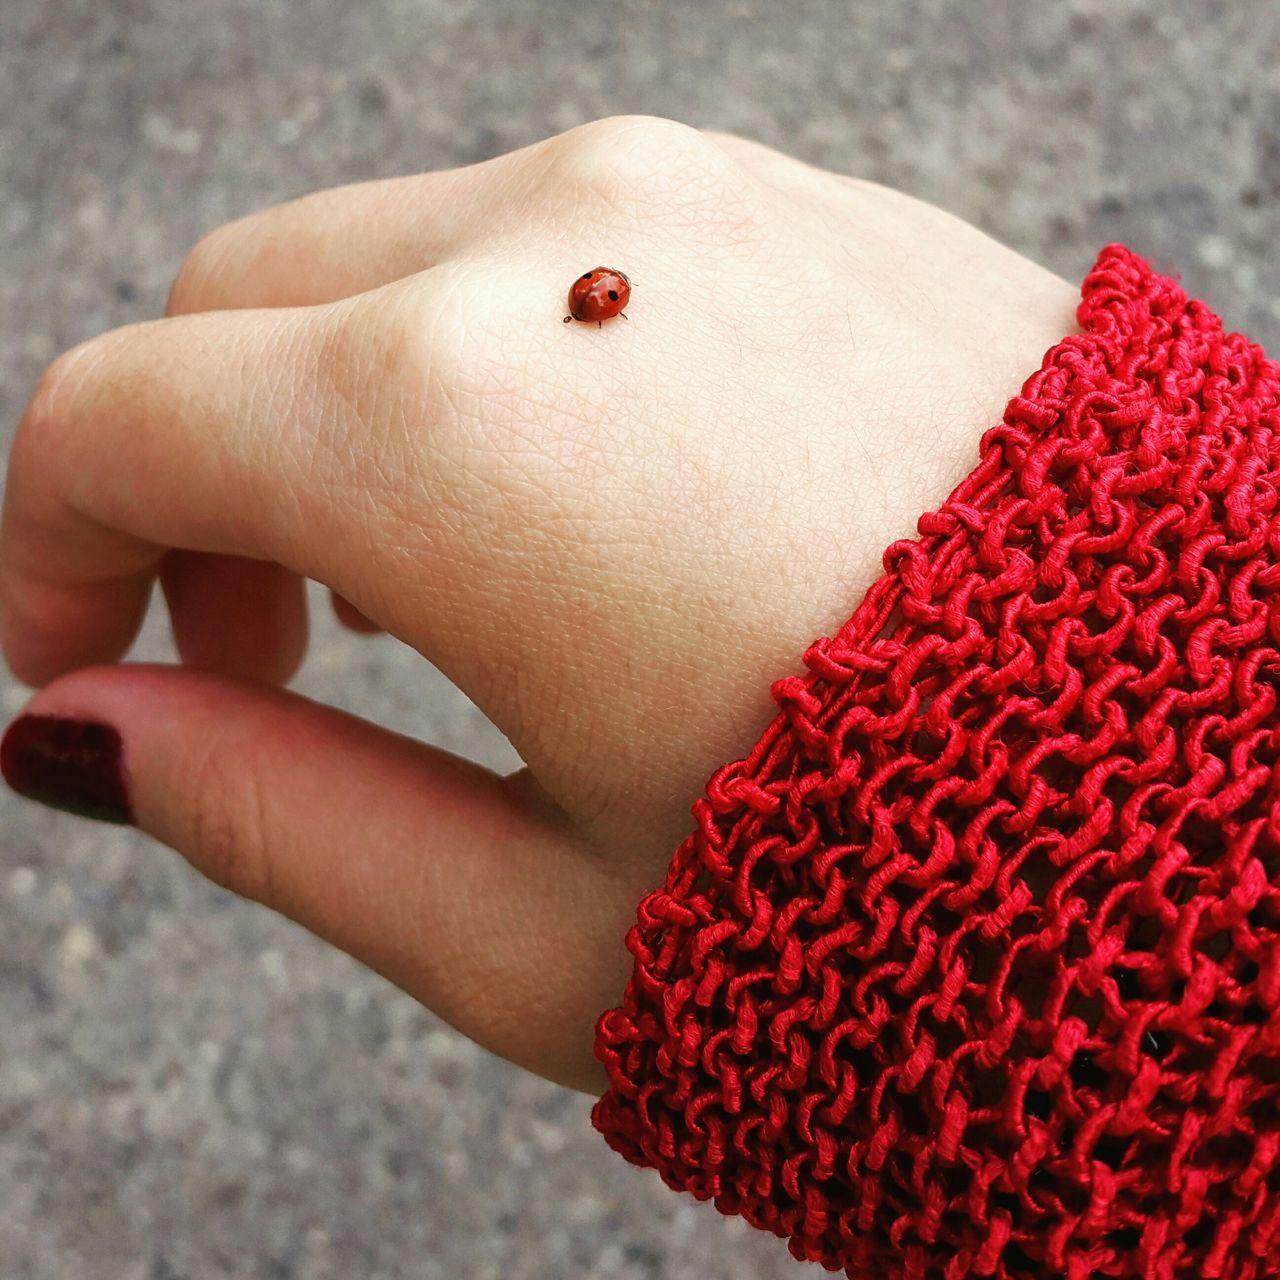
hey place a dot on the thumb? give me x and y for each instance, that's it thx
(469, 890)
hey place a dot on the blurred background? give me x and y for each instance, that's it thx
(191, 1087)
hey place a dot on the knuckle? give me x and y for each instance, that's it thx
(629, 140)
(40, 437)
(430, 338)
(226, 827)
(735, 144)
(662, 172)
(412, 353)
(630, 151)
(42, 412)
(866, 187)
(194, 288)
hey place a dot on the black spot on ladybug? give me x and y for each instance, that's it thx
(587, 275)
(613, 295)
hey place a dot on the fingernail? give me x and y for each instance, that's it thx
(74, 765)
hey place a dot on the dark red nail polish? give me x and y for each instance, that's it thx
(75, 765)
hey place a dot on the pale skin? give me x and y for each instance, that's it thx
(612, 539)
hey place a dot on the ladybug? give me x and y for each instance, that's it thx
(598, 295)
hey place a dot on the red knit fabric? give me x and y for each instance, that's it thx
(970, 968)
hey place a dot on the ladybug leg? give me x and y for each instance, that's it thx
(599, 324)
(623, 314)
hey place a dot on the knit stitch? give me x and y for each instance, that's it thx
(970, 967)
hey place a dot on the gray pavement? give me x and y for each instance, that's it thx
(191, 1087)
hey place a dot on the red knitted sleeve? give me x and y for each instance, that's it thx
(970, 967)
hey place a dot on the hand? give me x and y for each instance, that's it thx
(612, 539)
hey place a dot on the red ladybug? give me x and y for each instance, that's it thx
(598, 295)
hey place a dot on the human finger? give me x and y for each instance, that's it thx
(177, 433)
(466, 889)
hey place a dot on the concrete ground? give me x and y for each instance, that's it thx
(191, 1087)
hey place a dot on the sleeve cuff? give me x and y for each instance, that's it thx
(970, 967)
